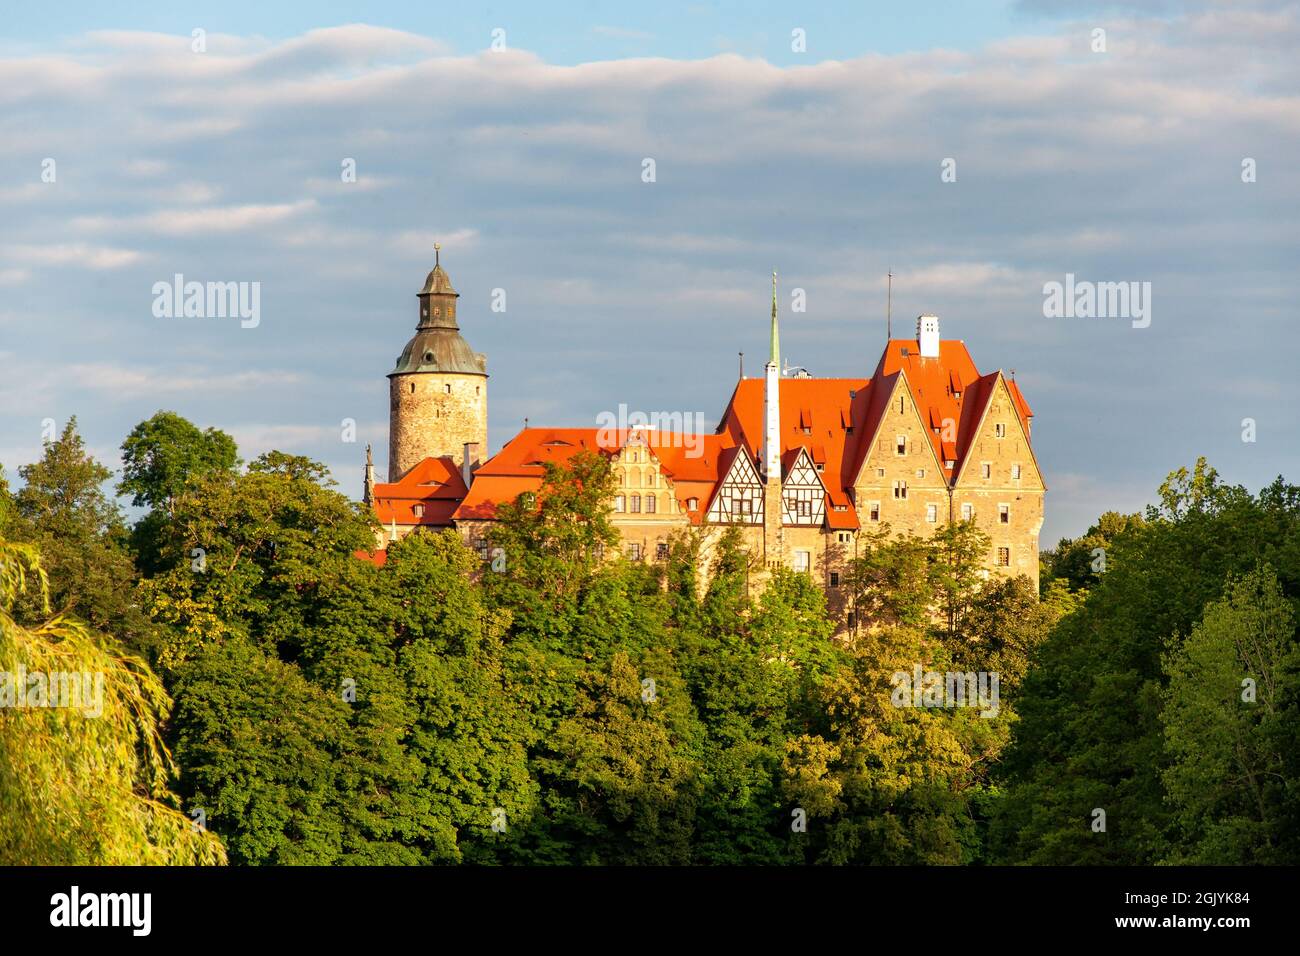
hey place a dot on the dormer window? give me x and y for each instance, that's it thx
(418, 510)
(692, 504)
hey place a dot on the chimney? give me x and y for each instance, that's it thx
(469, 461)
(927, 335)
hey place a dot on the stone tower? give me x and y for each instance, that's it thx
(438, 391)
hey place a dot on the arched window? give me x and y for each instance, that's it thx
(636, 504)
(650, 504)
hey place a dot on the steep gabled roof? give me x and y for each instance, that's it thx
(827, 403)
(435, 485)
(836, 419)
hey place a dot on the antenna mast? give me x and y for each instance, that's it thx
(889, 308)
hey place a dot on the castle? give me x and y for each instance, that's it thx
(801, 464)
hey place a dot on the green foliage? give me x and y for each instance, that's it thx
(165, 454)
(1092, 733)
(1080, 562)
(85, 784)
(1229, 778)
(63, 511)
(563, 704)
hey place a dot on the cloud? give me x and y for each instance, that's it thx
(1117, 166)
(78, 255)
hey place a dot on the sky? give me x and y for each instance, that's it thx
(978, 150)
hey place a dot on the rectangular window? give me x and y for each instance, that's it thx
(920, 472)
(1000, 430)
(967, 512)
(620, 503)
(986, 470)
(735, 507)
(418, 510)
(1015, 472)
(900, 445)
(802, 561)
(875, 511)
(835, 579)
(483, 548)
(1004, 557)
(650, 504)
(845, 537)
(880, 473)
(661, 551)
(634, 552)
(932, 513)
(805, 509)
(636, 504)
(900, 489)
(1004, 514)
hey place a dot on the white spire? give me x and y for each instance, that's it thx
(772, 404)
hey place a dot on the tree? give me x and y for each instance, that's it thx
(1080, 562)
(164, 454)
(1090, 735)
(83, 777)
(886, 782)
(552, 543)
(1230, 713)
(79, 530)
(892, 581)
(960, 550)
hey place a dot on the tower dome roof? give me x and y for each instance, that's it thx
(438, 283)
(439, 350)
(437, 345)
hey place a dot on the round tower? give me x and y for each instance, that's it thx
(438, 390)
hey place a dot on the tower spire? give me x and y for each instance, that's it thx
(437, 254)
(776, 337)
(369, 488)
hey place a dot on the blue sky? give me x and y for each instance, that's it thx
(1122, 165)
(570, 33)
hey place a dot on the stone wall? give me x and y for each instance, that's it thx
(1023, 496)
(434, 414)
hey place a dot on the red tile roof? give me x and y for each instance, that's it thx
(834, 418)
(434, 486)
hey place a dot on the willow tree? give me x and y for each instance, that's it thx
(83, 769)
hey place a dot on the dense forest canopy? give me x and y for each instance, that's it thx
(271, 699)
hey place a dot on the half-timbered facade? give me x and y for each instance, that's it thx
(801, 464)
(739, 498)
(803, 496)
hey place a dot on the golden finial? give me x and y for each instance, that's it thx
(437, 249)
